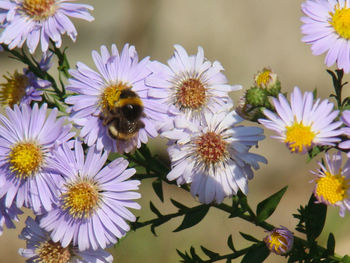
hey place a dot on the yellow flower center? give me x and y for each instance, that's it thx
(341, 21)
(190, 94)
(39, 9)
(81, 199)
(332, 188)
(13, 91)
(111, 95)
(299, 137)
(211, 147)
(263, 78)
(25, 159)
(50, 252)
(276, 242)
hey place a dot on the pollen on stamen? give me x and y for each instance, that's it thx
(211, 147)
(51, 252)
(299, 138)
(263, 78)
(332, 188)
(13, 90)
(39, 9)
(110, 95)
(191, 94)
(81, 199)
(341, 21)
(25, 159)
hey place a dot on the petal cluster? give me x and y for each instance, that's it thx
(213, 179)
(24, 23)
(106, 221)
(303, 123)
(113, 69)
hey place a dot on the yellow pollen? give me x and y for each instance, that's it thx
(332, 188)
(263, 78)
(299, 137)
(190, 94)
(25, 159)
(341, 21)
(211, 147)
(111, 95)
(50, 252)
(39, 9)
(276, 242)
(81, 199)
(13, 91)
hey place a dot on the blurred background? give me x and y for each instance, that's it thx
(244, 36)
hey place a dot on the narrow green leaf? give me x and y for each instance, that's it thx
(192, 218)
(158, 189)
(155, 210)
(178, 205)
(331, 244)
(256, 254)
(228, 260)
(315, 218)
(210, 253)
(249, 237)
(230, 243)
(266, 207)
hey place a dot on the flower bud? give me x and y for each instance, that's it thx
(279, 241)
(266, 79)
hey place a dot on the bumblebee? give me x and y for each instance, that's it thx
(123, 121)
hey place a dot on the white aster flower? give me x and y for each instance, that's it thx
(303, 123)
(213, 155)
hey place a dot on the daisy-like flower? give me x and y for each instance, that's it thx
(113, 107)
(27, 139)
(190, 84)
(7, 215)
(346, 131)
(280, 240)
(44, 20)
(93, 200)
(41, 248)
(333, 183)
(327, 28)
(303, 123)
(22, 88)
(213, 155)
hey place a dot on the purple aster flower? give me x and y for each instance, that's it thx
(22, 88)
(40, 248)
(326, 29)
(191, 85)
(27, 139)
(44, 20)
(346, 131)
(280, 240)
(113, 107)
(213, 155)
(93, 200)
(303, 123)
(333, 183)
(7, 215)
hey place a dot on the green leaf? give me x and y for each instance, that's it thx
(158, 189)
(193, 217)
(256, 254)
(331, 244)
(345, 259)
(210, 253)
(230, 244)
(249, 237)
(315, 218)
(155, 210)
(178, 205)
(266, 207)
